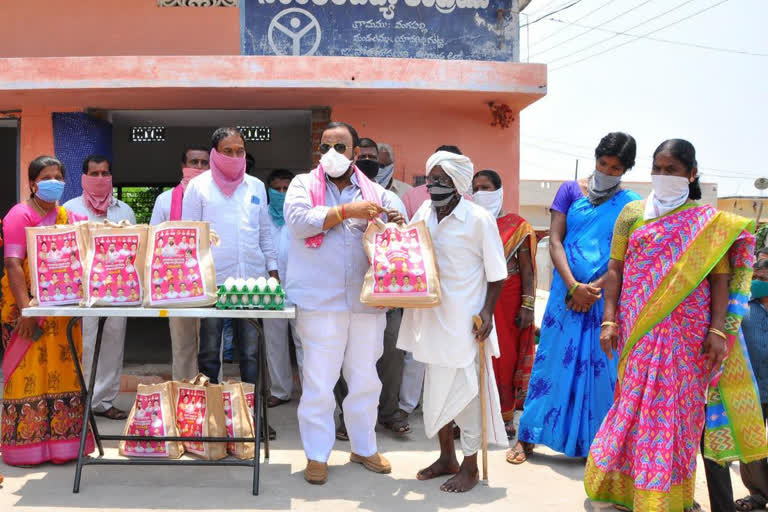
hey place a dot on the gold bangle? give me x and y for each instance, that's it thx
(338, 213)
(718, 332)
(573, 288)
(529, 308)
(609, 324)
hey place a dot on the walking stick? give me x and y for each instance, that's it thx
(481, 393)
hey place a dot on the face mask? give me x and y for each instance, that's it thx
(385, 174)
(759, 289)
(601, 187)
(491, 200)
(669, 193)
(50, 190)
(335, 164)
(440, 195)
(276, 202)
(369, 167)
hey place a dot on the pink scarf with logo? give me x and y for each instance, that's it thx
(228, 172)
(97, 193)
(177, 196)
(317, 196)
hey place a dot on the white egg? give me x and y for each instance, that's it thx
(261, 284)
(272, 284)
(229, 283)
(234, 299)
(223, 299)
(278, 299)
(250, 284)
(267, 300)
(240, 284)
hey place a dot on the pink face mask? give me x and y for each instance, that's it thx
(97, 193)
(189, 174)
(227, 172)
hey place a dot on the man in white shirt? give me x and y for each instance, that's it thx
(278, 331)
(185, 332)
(235, 204)
(390, 365)
(98, 204)
(327, 212)
(472, 272)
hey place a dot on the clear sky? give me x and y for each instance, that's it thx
(651, 89)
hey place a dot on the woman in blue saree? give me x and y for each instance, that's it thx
(572, 382)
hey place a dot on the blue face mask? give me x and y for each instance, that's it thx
(276, 202)
(50, 190)
(759, 289)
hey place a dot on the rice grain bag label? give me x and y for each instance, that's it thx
(237, 422)
(115, 262)
(55, 258)
(403, 271)
(200, 413)
(152, 415)
(179, 266)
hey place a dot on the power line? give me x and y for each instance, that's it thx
(686, 2)
(668, 41)
(590, 28)
(561, 9)
(577, 19)
(640, 36)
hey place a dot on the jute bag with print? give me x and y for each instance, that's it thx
(114, 263)
(179, 269)
(152, 415)
(403, 272)
(199, 408)
(56, 256)
(238, 419)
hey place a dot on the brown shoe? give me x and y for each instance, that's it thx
(376, 462)
(316, 472)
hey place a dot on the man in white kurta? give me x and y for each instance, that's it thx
(107, 385)
(185, 332)
(472, 270)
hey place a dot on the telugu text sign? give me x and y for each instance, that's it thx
(422, 29)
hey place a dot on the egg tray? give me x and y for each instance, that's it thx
(255, 300)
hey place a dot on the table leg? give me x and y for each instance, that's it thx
(257, 411)
(81, 378)
(88, 400)
(265, 393)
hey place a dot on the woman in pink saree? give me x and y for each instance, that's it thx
(679, 283)
(42, 408)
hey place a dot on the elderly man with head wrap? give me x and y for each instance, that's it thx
(472, 272)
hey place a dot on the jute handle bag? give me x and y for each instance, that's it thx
(56, 256)
(238, 419)
(114, 263)
(179, 270)
(403, 271)
(152, 414)
(199, 407)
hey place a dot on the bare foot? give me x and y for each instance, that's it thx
(439, 468)
(464, 480)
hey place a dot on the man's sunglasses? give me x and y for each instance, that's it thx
(340, 147)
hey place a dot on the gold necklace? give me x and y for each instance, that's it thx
(39, 207)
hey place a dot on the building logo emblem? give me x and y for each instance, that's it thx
(300, 24)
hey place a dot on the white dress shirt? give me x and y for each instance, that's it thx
(116, 212)
(162, 209)
(330, 277)
(470, 255)
(281, 237)
(241, 221)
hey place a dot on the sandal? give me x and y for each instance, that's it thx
(521, 448)
(113, 413)
(273, 401)
(397, 423)
(750, 503)
(341, 433)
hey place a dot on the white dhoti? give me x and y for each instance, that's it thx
(451, 394)
(334, 343)
(107, 384)
(276, 336)
(185, 342)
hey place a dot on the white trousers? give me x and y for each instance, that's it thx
(276, 336)
(185, 342)
(335, 342)
(413, 382)
(107, 385)
(453, 394)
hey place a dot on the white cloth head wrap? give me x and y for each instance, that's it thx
(458, 167)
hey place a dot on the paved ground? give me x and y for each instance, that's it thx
(547, 482)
